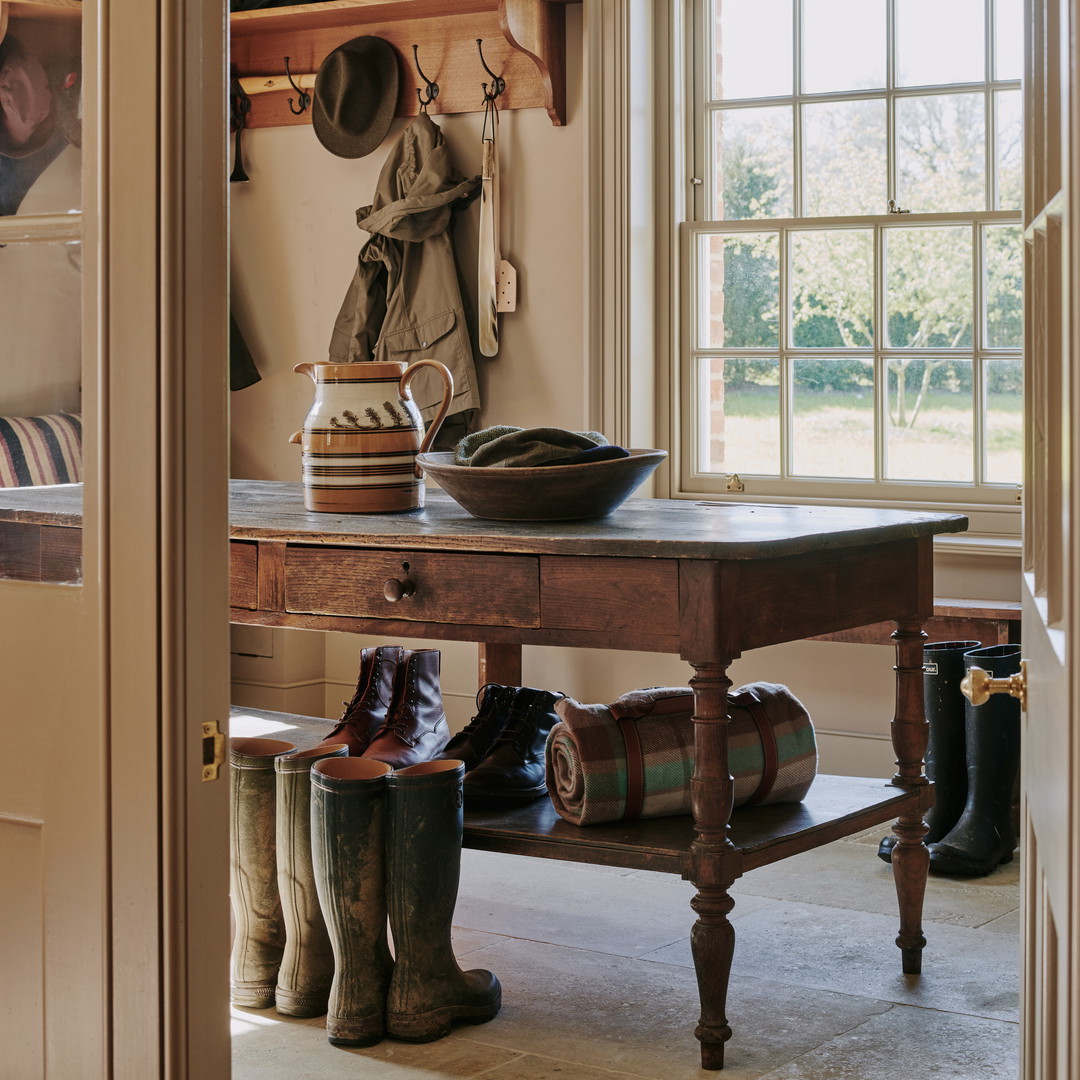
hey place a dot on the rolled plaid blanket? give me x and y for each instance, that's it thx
(634, 758)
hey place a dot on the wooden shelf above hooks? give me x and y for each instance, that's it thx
(524, 42)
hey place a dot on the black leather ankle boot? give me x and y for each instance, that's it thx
(514, 770)
(474, 742)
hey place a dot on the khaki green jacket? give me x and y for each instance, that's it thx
(404, 302)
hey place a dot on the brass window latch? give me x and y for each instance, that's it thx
(734, 483)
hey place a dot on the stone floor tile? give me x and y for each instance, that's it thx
(628, 1016)
(820, 948)
(904, 1043)
(849, 875)
(538, 900)
(271, 1047)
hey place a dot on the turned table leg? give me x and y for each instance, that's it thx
(910, 856)
(713, 862)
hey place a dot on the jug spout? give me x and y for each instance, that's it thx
(305, 369)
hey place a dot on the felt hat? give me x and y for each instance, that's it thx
(356, 91)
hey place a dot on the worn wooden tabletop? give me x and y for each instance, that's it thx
(662, 528)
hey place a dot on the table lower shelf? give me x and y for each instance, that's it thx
(835, 807)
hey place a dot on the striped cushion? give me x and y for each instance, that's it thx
(40, 450)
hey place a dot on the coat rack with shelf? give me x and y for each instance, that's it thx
(524, 42)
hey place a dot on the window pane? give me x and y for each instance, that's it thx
(753, 163)
(1008, 39)
(843, 45)
(833, 289)
(1009, 149)
(833, 418)
(844, 151)
(1004, 254)
(1004, 421)
(941, 152)
(739, 401)
(928, 287)
(930, 429)
(938, 42)
(740, 305)
(40, 126)
(750, 62)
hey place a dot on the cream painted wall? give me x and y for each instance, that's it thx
(294, 242)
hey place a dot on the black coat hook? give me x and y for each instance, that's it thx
(431, 89)
(239, 107)
(304, 98)
(498, 83)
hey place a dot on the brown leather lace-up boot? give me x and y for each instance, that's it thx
(370, 705)
(415, 728)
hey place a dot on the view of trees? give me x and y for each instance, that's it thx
(929, 297)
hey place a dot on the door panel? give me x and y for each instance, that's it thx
(113, 851)
(1050, 835)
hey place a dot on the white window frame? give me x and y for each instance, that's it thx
(993, 508)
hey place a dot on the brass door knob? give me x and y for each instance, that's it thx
(395, 590)
(977, 685)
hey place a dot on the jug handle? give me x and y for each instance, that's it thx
(305, 369)
(444, 408)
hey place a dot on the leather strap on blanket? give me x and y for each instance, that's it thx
(749, 700)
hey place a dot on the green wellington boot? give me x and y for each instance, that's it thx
(347, 845)
(259, 932)
(984, 837)
(946, 753)
(307, 964)
(428, 991)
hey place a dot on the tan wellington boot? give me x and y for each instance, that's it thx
(428, 991)
(259, 933)
(347, 854)
(307, 964)
(415, 728)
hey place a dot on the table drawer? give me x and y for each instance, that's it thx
(243, 574)
(597, 593)
(492, 590)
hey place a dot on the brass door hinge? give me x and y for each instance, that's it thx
(213, 750)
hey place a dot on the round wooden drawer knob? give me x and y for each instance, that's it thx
(395, 590)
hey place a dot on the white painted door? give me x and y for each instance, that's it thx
(1050, 839)
(113, 928)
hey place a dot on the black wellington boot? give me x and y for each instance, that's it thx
(370, 704)
(984, 838)
(428, 991)
(259, 935)
(348, 816)
(307, 964)
(514, 771)
(946, 753)
(473, 743)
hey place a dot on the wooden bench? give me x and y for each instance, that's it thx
(993, 622)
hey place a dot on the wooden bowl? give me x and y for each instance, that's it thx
(543, 493)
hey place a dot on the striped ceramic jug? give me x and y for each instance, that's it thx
(362, 434)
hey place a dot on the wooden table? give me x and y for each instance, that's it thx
(707, 581)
